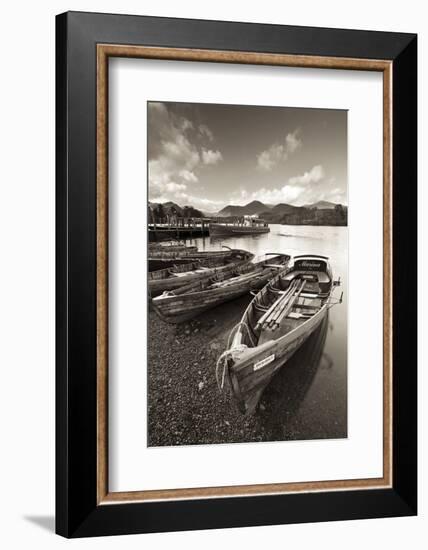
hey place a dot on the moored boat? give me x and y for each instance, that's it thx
(172, 251)
(198, 296)
(248, 227)
(171, 245)
(201, 265)
(157, 264)
(276, 323)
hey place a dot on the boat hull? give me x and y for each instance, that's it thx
(158, 285)
(249, 377)
(167, 252)
(155, 264)
(177, 309)
(225, 230)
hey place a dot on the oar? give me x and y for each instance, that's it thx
(297, 288)
(289, 307)
(272, 318)
(266, 316)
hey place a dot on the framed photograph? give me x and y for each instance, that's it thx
(236, 274)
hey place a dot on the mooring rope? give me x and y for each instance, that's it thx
(228, 353)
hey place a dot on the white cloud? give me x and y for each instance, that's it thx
(174, 154)
(287, 193)
(269, 158)
(298, 189)
(279, 152)
(211, 157)
(185, 124)
(173, 187)
(314, 175)
(206, 132)
(336, 195)
(205, 204)
(179, 154)
(188, 176)
(292, 142)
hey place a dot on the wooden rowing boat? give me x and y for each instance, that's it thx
(169, 245)
(225, 229)
(276, 323)
(156, 264)
(176, 251)
(202, 265)
(167, 255)
(190, 300)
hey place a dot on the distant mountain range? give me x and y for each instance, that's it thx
(250, 209)
(258, 208)
(318, 213)
(321, 205)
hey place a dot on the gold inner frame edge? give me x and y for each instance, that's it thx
(104, 51)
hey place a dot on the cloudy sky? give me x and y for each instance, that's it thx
(209, 156)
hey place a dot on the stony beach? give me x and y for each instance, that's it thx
(185, 406)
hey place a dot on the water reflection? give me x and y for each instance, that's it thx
(283, 398)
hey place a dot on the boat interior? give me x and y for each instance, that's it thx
(157, 264)
(200, 265)
(242, 274)
(289, 300)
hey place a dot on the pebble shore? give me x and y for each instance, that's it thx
(185, 406)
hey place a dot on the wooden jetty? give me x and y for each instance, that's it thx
(181, 228)
(175, 227)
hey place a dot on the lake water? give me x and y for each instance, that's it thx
(312, 392)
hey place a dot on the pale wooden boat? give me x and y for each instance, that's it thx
(190, 300)
(171, 245)
(171, 251)
(226, 229)
(203, 265)
(274, 326)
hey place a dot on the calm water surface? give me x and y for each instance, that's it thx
(311, 391)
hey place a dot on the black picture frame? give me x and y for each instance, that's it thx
(77, 511)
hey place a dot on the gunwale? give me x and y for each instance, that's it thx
(176, 308)
(163, 279)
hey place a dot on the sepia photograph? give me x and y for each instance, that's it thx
(247, 262)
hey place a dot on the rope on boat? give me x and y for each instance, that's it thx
(223, 357)
(235, 328)
(228, 353)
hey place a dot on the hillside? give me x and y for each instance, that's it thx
(321, 205)
(250, 209)
(283, 208)
(319, 213)
(301, 215)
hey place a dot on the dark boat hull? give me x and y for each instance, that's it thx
(229, 230)
(158, 285)
(194, 300)
(178, 309)
(155, 264)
